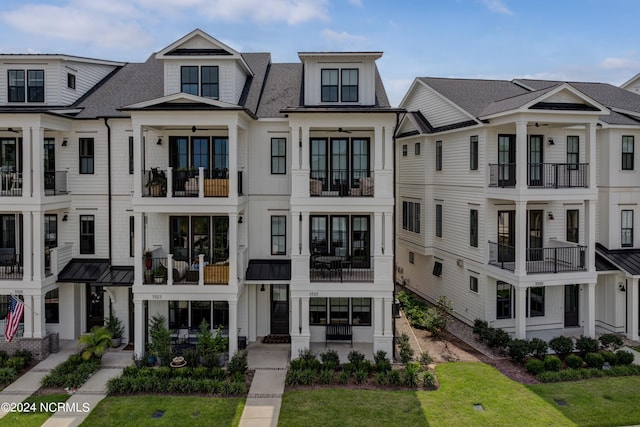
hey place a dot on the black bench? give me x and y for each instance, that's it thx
(8, 258)
(338, 332)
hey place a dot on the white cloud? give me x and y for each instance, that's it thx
(357, 3)
(620, 63)
(342, 38)
(497, 6)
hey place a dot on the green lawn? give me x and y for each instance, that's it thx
(35, 419)
(178, 410)
(505, 403)
(596, 402)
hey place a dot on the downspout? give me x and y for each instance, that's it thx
(106, 123)
(393, 229)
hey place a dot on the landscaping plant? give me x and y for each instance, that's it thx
(611, 342)
(95, 344)
(563, 346)
(586, 345)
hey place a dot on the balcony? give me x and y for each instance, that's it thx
(211, 273)
(341, 183)
(558, 259)
(329, 268)
(11, 183)
(55, 183)
(541, 175)
(189, 183)
(10, 264)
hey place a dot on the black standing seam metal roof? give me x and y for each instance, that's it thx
(626, 259)
(117, 276)
(269, 269)
(83, 270)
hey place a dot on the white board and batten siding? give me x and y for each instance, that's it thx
(366, 78)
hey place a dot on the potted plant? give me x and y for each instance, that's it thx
(158, 274)
(157, 182)
(148, 263)
(114, 326)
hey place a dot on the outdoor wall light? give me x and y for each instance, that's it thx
(193, 128)
(65, 141)
(65, 218)
(550, 216)
(551, 141)
(159, 142)
(262, 288)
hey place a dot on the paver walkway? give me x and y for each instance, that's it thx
(29, 383)
(93, 391)
(270, 362)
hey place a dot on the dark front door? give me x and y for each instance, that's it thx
(506, 160)
(95, 307)
(279, 309)
(571, 299)
(535, 160)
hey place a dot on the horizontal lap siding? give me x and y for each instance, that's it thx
(436, 109)
(87, 76)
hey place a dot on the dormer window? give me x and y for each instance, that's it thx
(33, 91)
(208, 84)
(345, 79)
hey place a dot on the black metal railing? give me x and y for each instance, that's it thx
(11, 183)
(502, 175)
(558, 175)
(540, 260)
(329, 268)
(10, 265)
(185, 183)
(155, 271)
(341, 183)
(155, 183)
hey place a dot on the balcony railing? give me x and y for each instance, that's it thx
(540, 260)
(10, 183)
(329, 268)
(187, 183)
(541, 175)
(10, 265)
(341, 183)
(55, 182)
(184, 273)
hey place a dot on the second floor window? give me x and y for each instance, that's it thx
(87, 234)
(340, 163)
(342, 84)
(473, 228)
(438, 220)
(411, 216)
(86, 156)
(278, 156)
(200, 81)
(627, 153)
(349, 85)
(30, 89)
(329, 85)
(438, 155)
(278, 235)
(573, 151)
(473, 153)
(626, 228)
(130, 155)
(572, 225)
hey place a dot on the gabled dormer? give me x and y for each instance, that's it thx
(200, 65)
(339, 78)
(49, 80)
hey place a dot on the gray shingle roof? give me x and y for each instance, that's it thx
(259, 64)
(281, 90)
(513, 102)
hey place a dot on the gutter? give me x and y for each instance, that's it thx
(110, 215)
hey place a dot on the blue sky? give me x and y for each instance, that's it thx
(583, 40)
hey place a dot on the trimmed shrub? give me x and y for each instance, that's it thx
(586, 345)
(406, 351)
(574, 361)
(496, 338)
(609, 357)
(238, 363)
(594, 360)
(330, 359)
(7, 375)
(534, 366)
(624, 357)
(479, 326)
(343, 378)
(611, 342)
(429, 380)
(16, 363)
(25, 354)
(381, 378)
(552, 363)
(325, 376)
(563, 346)
(361, 375)
(393, 377)
(425, 359)
(518, 349)
(355, 357)
(307, 377)
(382, 364)
(306, 354)
(349, 368)
(538, 348)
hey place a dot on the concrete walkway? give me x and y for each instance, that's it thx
(29, 383)
(93, 391)
(270, 362)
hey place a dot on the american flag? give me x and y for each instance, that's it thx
(16, 308)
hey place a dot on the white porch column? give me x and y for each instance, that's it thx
(377, 234)
(632, 308)
(138, 327)
(387, 307)
(306, 144)
(27, 161)
(306, 229)
(590, 152)
(138, 230)
(169, 269)
(296, 323)
(295, 148)
(590, 304)
(38, 246)
(28, 316)
(388, 148)
(38, 316)
(253, 310)
(37, 155)
(27, 246)
(296, 243)
(590, 234)
(304, 316)
(387, 241)
(378, 146)
(233, 249)
(521, 155)
(378, 317)
(138, 163)
(521, 312)
(233, 161)
(233, 327)
(521, 239)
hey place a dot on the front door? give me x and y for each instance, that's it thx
(279, 309)
(571, 299)
(535, 160)
(95, 307)
(506, 160)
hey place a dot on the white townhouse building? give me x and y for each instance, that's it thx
(202, 184)
(516, 200)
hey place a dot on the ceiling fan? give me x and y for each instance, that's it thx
(339, 130)
(12, 130)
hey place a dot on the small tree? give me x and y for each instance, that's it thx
(114, 325)
(95, 344)
(160, 339)
(444, 308)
